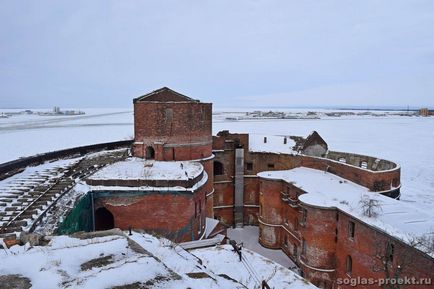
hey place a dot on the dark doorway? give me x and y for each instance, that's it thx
(218, 168)
(103, 220)
(150, 153)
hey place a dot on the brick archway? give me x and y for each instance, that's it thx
(149, 153)
(104, 219)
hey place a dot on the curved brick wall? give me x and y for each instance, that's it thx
(171, 214)
(376, 181)
(270, 217)
(372, 163)
(319, 233)
(208, 187)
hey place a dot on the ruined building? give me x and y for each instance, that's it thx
(336, 215)
(167, 186)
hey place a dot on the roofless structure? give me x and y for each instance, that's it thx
(336, 215)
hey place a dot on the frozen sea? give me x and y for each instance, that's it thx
(403, 139)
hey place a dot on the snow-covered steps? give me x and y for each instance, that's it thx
(25, 197)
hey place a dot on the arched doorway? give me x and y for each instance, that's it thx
(149, 153)
(104, 219)
(218, 168)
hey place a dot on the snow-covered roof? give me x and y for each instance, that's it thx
(323, 189)
(164, 94)
(315, 181)
(137, 168)
(223, 261)
(193, 188)
(274, 144)
(143, 260)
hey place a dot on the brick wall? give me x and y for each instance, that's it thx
(173, 215)
(270, 215)
(319, 234)
(176, 130)
(368, 251)
(374, 180)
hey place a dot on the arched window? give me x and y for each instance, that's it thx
(349, 265)
(390, 251)
(104, 219)
(218, 168)
(150, 153)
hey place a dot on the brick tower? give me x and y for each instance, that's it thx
(169, 126)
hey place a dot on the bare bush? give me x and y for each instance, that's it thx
(370, 207)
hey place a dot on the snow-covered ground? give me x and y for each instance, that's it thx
(248, 235)
(26, 135)
(145, 262)
(223, 262)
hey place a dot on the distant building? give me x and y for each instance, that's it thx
(426, 112)
(57, 111)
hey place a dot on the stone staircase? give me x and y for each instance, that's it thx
(24, 200)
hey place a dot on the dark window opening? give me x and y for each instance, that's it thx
(390, 251)
(271, 166)
(104, 220)
(249, 166)
(303, 217)
(351, 227)
(218, 168)
(150, 153)
(237, 143)
(303, 247)
(349, 265)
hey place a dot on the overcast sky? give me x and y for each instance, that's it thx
(234, 53)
